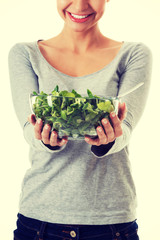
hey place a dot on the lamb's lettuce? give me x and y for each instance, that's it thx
(70, 114)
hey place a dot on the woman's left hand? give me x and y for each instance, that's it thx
(109, 133)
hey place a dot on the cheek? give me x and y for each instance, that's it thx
(61, 5)
(100, 13)
(99, 7)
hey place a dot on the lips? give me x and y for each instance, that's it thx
(79, 18)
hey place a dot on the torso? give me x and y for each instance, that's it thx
(77, 65)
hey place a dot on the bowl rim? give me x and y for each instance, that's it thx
(84, 97)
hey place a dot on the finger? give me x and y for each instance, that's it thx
(54, 141)
(101, 139)
(53, 138)
(92, 141)
(32, 119)
(38, 129)
(101, 135)
(122, 111)
(62, 142)
(116, 124)
(46, 134)
(108, 130)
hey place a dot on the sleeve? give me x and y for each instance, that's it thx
(23, 81)
(137, 69)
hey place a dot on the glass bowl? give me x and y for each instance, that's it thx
(74, 117)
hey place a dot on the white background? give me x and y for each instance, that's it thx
(124, 20)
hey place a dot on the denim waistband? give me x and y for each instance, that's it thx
(57, 228)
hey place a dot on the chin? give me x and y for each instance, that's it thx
(81, 27)
(78, 29)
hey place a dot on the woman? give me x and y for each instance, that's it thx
(81, 189)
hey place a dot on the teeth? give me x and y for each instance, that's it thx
(78, 16)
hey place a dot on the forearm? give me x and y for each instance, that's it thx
(23, 81)
(136, 70)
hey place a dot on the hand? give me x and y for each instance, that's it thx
(109, 133)
(43, 133)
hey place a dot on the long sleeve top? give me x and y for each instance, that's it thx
(79, 183)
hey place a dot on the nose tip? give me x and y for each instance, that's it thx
(81, 5)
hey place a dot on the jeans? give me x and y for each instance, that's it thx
(32, 229)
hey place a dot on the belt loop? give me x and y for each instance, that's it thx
(41, 231)
(112, 227)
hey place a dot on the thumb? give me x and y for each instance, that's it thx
(122, 111)
(32, 119)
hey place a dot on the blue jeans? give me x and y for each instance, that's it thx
(32, 229)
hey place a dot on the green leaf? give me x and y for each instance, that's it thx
(75, 93)
(105, 106)
(64, 114)
(43, 94)
(65, 93)
(70, 110)
(90, 95)
(55, 93)
(56, 89)
(34, 93)
(90, 116)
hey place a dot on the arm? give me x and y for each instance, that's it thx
(137, 69)
(24, 81)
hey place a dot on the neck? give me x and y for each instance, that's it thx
(80, 42)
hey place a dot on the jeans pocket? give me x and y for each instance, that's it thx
(131, 233)
(23, 232)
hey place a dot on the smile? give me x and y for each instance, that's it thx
(79, 18)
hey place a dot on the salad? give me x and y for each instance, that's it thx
(71, 114)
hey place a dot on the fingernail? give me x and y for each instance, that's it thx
(100, 129)
(105, 121)
(39, 121)
(46, 126)
(113, 114)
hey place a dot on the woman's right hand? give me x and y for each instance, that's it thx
(43, 133)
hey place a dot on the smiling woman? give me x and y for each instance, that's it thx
(79, 189)
(90, 11)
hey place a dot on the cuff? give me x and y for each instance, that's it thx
(53, 148)
(100, 151)
(115, 146)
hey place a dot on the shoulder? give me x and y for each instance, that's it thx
(134, 55)
(137, 48)
(137, 53)
(21, 48)
(17, 47)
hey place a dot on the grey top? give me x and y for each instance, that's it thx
(79, 183)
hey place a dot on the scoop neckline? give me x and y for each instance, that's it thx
(78, 77)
